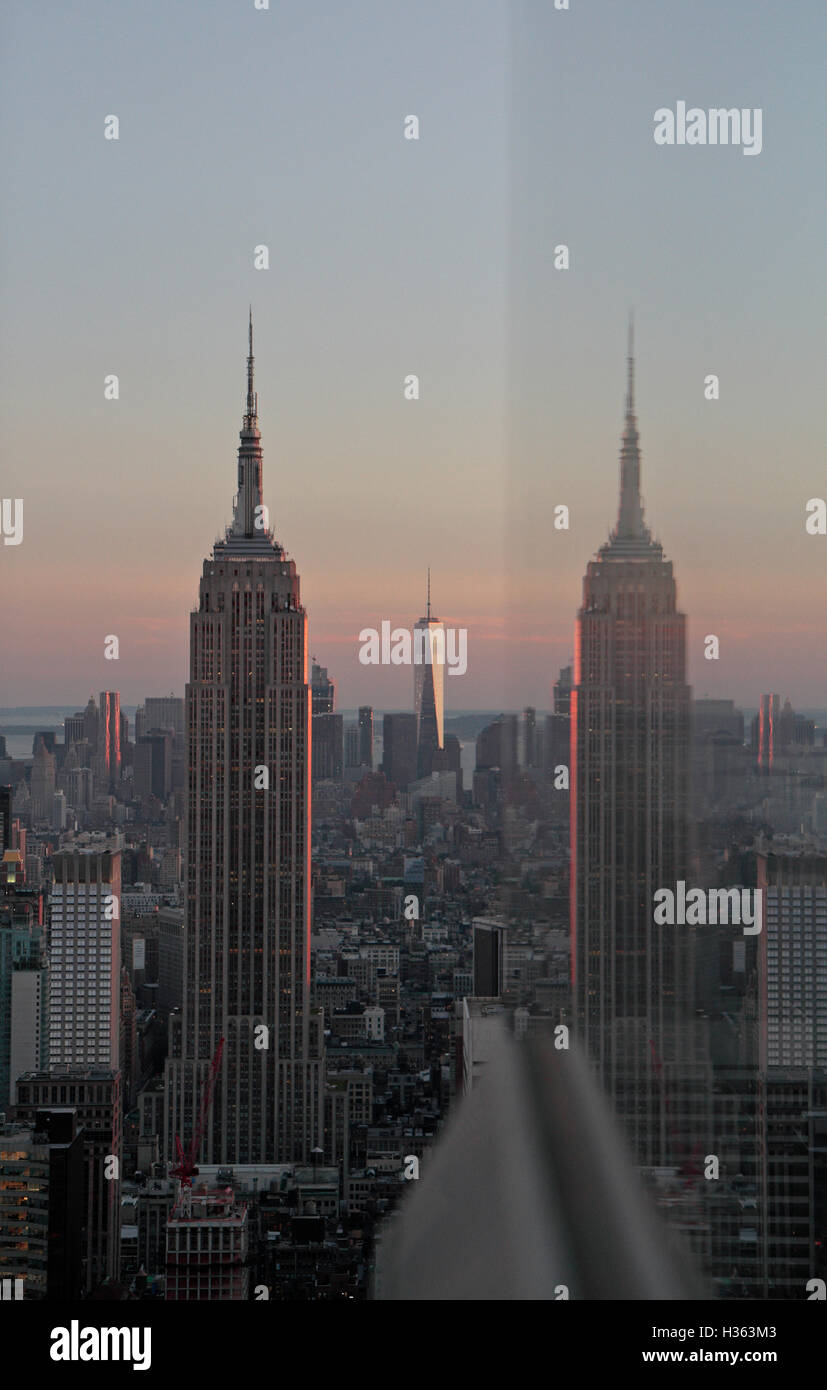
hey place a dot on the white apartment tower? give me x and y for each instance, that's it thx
(85, 959)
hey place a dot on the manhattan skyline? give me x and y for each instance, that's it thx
(438, 263)
(419, 892)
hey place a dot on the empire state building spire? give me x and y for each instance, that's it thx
(631, 528)
(250, 524)
(252, 398)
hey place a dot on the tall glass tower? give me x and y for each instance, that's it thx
(429, 688)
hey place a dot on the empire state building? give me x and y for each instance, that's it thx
(247, 914)
(630, 765)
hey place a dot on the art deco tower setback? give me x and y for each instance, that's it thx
(629, 780)
(247, 919)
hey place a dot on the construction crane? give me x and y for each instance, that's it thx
(185, 1168)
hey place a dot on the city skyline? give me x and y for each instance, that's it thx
(349, 952)
(438, 263)
(492, 652)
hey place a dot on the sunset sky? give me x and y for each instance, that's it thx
(284, 127)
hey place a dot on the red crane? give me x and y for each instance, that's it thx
(185, 1168)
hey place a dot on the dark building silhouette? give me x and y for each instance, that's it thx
(6, 800)
(399, 744)
(328, 747)
(529, 757)
(449, 759)
(562, 692)
(96, 1098)
(497, 745)
(489, 951)
(322, 689)
(629, 789)
(153, 765)
(41, 1205)
(366, 736)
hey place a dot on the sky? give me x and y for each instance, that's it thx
(389, 257)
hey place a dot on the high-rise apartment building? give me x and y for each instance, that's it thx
(247, 927)
(629, 787)
(792, 958)
(84, 959)
(94, 1094)
(41, 1205)
(23, 976)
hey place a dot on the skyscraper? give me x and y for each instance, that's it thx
(94, 1094)
(328, 728)
(323, 690)
(6, 802)
(429, 688)
(41, 1204)
(328, 747)
(768, 715)
(153, 764)
(792, 964)
(629, 774)
(43, 783)
(366, 736)
(109, 737)
(247, 923)
(163, 712)
(528, 739)
(84, 959)
(23, 975)
(399, 748)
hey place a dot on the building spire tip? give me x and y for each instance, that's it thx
(252, 403)
(630, 365)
